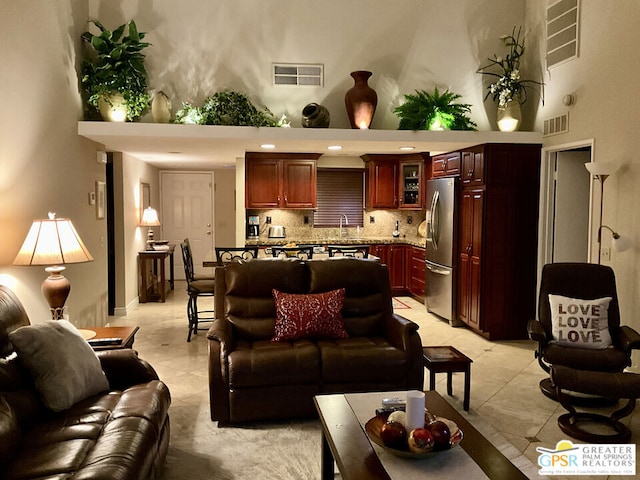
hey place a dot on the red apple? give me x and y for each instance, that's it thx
(420, 440)
(393, 434)
(441, 435)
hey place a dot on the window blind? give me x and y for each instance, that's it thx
(339, 192)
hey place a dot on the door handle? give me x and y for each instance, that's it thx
(208, 232)
(439, 271)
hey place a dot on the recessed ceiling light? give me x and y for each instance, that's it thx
(407, 148)
(334, 147)
(267, 146)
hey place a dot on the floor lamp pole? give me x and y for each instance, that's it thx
(602, 178)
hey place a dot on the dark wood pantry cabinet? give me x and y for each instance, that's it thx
(280, 180)
(497, 248)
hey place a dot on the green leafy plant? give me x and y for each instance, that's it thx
(434, 111)
(226, 108)
(115, 63)
(508, 86)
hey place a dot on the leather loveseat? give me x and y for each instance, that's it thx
(119, 433)
(252, 377)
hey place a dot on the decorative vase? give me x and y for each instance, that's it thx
(315, 115)
(361, 100)
(161, 108)
(113, 108)
(509, 116)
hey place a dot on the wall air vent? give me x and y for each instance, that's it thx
(556, 125)
(298, 74)
(562, 32)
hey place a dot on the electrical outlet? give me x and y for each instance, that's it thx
(372, 219)
(306, 219)
(268, 220)
(605, 254)
(409, 219)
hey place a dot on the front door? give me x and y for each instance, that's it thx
(187, 212)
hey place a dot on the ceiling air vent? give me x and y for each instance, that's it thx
(562, 31)
(556, 125)
(298, 74)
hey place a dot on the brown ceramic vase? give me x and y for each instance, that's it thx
(361, 100)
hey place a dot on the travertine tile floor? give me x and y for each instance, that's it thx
(504, 379)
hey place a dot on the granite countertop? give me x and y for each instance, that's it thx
(267, 242)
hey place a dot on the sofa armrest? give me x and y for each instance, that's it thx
(625, 338)
(403, 333)
(536, 331)
(398, 331)
(221, 343)
(125, 369)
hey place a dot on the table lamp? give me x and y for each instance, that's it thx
(54, 242)
(149, 219)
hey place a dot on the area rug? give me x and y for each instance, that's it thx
(398, 305)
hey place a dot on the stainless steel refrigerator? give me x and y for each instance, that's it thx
(440, 254)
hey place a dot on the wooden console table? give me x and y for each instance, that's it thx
(148, 291)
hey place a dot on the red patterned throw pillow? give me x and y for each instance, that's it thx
(315, 315)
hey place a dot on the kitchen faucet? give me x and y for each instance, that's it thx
(346, 222)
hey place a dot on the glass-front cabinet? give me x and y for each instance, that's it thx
(410, 187)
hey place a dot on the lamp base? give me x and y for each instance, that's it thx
(55, 289)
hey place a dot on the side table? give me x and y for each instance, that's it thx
(112, 338)
(448, 359)
(157, 257)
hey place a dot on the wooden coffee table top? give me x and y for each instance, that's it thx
(357, 459)
(125, 334)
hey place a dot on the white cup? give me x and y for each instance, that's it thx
(415, 409)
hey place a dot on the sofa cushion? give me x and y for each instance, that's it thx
(362, 360)
(63, 366)
(265, 362)
(367, 292)
(580, 323)
(248, 301)
(315, 315)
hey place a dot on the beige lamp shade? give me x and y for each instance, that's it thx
(53, 242)
(150, 218)
(601, 168)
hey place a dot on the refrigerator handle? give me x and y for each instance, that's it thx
(435, 220)
(439, 271)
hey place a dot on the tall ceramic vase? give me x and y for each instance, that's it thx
(361, 100)
(509, 116)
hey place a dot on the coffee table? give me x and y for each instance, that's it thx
(344, 440)
(112, 338)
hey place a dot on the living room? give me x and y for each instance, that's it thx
(197, 49)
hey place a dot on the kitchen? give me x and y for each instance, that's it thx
(481, 209)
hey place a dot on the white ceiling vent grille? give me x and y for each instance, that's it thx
(298, 74)
(562, 32)
(556, 125)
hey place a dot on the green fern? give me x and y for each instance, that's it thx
(425, 111)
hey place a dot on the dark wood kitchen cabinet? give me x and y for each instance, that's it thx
(280, 180)
(394, 257)
(497, 248)
(445, 165)
(395, 181)
(415, 271)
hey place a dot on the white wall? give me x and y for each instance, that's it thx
(607, 108)
(202, 47)
(44, 165)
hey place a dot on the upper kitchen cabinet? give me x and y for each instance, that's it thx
(280, 180)
(445, 165)
(394, 181)
(472, 166)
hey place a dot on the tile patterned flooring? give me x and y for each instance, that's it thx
(504, 379)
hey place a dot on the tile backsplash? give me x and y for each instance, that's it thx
(296, 229)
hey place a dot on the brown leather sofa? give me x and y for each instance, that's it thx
(253, 378)
(120, 434)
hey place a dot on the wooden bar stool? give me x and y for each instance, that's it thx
(448, 359)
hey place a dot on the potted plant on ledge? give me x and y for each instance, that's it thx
(509, 90)
(113, 76)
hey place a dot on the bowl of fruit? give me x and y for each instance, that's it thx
(389, 431)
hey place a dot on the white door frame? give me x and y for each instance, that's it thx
(545, 220)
